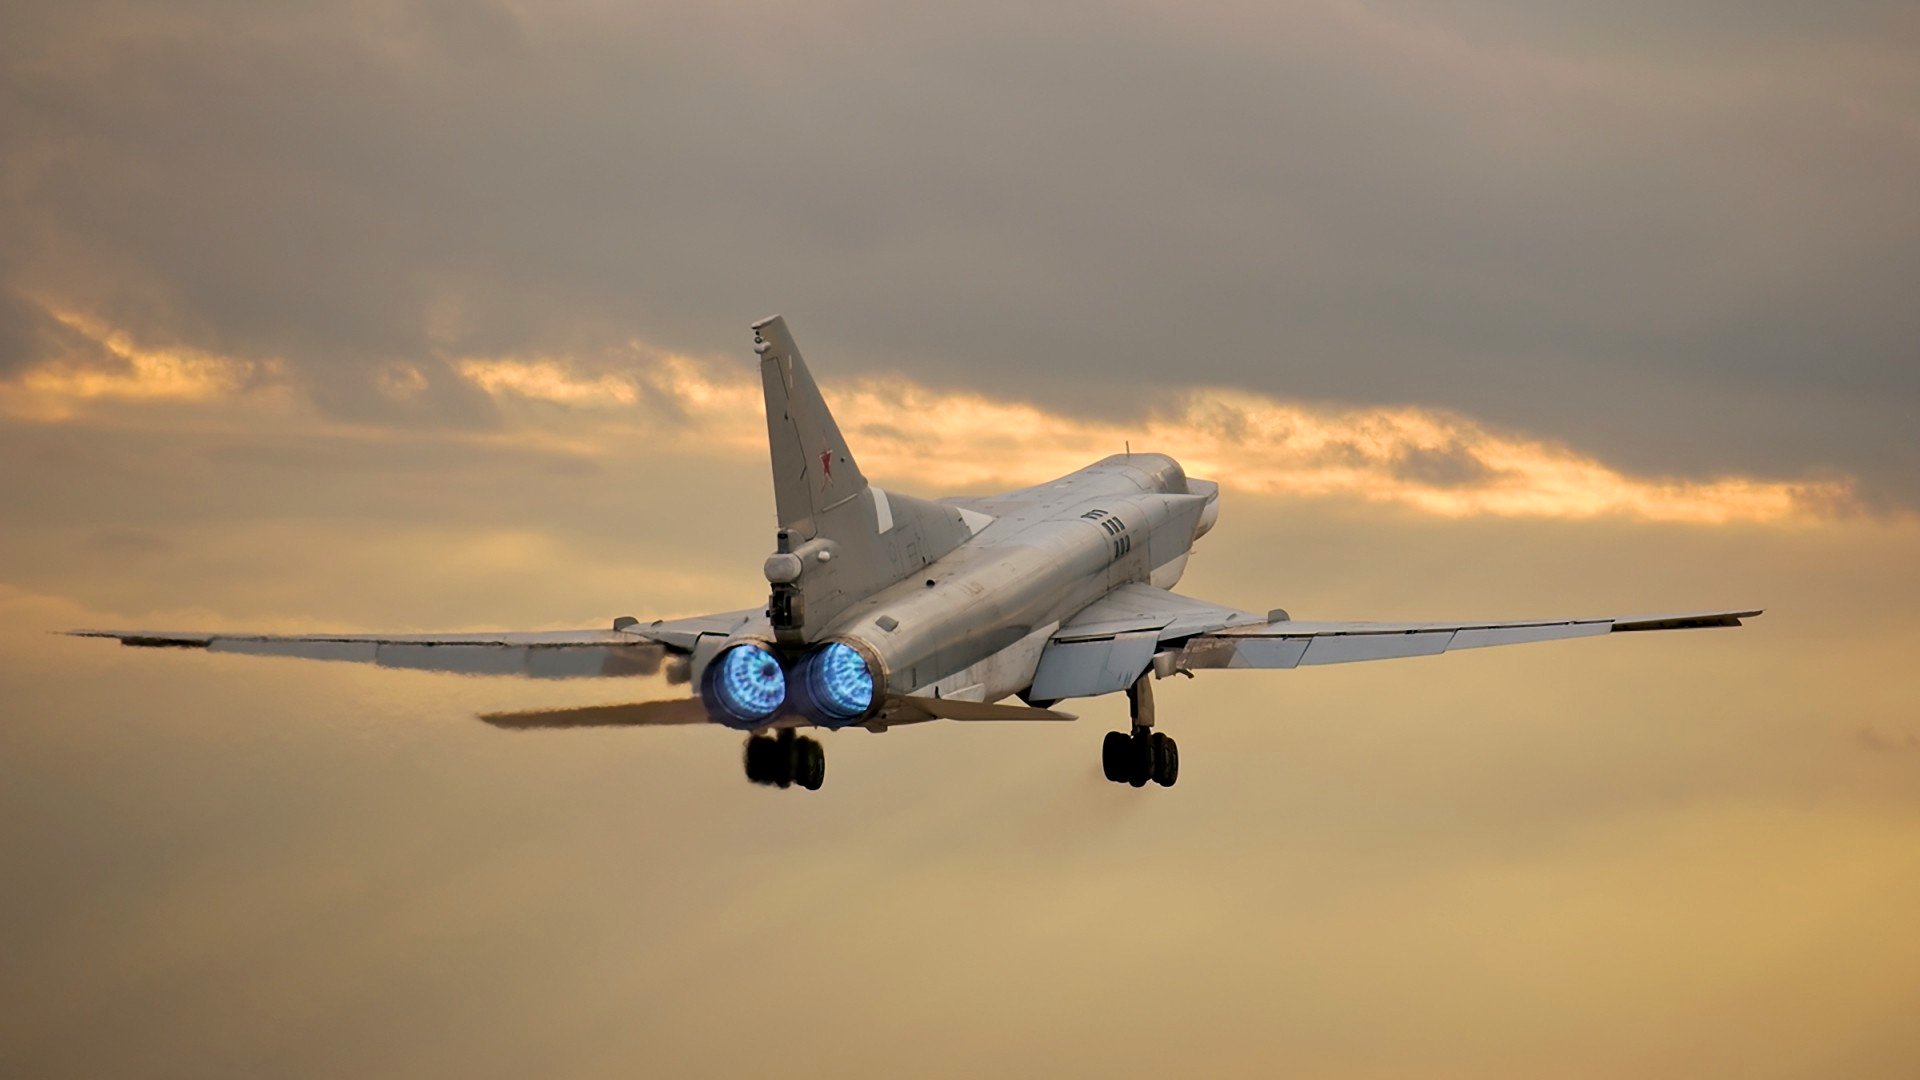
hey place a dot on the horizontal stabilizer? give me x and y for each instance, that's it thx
(640, 714)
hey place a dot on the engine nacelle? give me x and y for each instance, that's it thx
(837, 683)
(744, 686)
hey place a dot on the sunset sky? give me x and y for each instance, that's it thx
(389, 315)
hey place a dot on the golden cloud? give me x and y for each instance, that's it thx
(548, 380)
(54, 390)
(1423, 459)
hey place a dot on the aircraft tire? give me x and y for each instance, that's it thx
(760, 759)
(1166, 760)
(1114, 757)
(1140, 767)
(810, 764)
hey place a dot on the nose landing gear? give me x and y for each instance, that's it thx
(784, 759)
(1143, 754)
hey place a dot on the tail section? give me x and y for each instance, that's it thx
(841, 539)
(813, 471)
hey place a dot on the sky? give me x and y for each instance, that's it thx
(387, 315)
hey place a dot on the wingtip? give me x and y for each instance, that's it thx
(144, 639)
(1686, 621)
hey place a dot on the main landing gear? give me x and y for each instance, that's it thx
(784, 759)
(1143, 754)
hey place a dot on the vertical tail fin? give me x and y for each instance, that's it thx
(841, 539)
(813, 471)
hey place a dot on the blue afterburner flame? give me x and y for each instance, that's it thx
(839, 683)
(744, 685)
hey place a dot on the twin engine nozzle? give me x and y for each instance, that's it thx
(748, 684)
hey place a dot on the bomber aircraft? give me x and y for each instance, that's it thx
(886, 609)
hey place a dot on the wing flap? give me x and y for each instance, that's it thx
(1348, 648)
(1480, 637)
(363, 652)
(1090, 668)
(1135, 608)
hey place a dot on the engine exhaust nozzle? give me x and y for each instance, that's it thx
(744, 686)
(835, 685)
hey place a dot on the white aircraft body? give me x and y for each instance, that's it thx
(886, 609)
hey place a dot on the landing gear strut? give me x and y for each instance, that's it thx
(784, 759)
(1143, 754)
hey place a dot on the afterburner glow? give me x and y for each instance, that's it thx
(839, 683)
(744, 685)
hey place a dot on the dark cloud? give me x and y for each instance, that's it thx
(1681, 238)
(30, 335)
(1450, 466)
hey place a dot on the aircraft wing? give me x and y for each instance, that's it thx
(1109, 644)
(633, 649)
(1138, 608)
(1289, 643)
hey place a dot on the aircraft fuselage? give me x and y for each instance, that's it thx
(973, 622)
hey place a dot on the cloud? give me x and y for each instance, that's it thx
(926, 438)
(1682, 236)
(1422, 459)
(549, 380)
(931, 439)
(95, 362)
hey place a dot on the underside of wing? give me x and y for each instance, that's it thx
(911, 710)
(633, 648)
(1141, 608)
(1289, 643)
(1107, 646)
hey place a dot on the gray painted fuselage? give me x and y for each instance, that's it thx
(972, 623)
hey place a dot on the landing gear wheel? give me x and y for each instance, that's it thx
(786, 759)
(1114, 761)
(1139, 757)
(809, 764)
(763, 759)
(1166, 760)
(1140, 751)
(784, 755)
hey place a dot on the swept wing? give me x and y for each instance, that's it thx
(633, 649)
(1113, 641)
